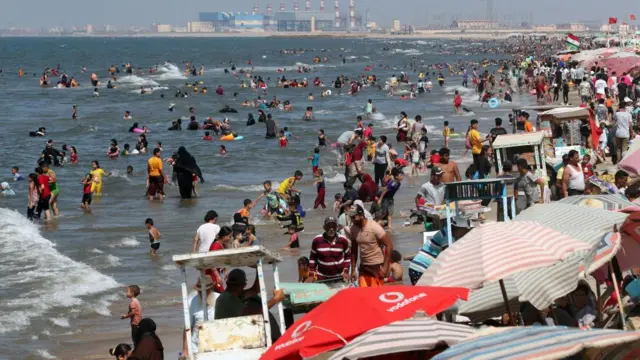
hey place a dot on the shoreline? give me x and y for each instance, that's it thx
(500, 34)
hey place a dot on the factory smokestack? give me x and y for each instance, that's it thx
(295, 6)
(282, 7)
(352, 14)
(269, 11)
(321, 5)
(307, 5)
(337, 13)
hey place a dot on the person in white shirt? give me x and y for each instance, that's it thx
(601, 85)
(206, 233)
(622, 130)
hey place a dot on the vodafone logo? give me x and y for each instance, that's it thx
(399, 300)
(301, 329)
(296, 335)
(391, 297)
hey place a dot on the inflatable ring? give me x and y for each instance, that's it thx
(327, 93)
(494, 103)
(227, 138)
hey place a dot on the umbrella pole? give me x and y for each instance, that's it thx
(506, 303)
(598, 302)
(615, 286)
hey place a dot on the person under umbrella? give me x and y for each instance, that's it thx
(186, 169)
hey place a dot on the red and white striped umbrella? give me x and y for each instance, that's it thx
(496, 251)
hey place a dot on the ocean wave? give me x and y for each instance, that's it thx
(246, 188)
(42, 278)
(127, 241)
(62, 322)
(168, 71)
(112, 260)
(45, 354)
(336, 179)
(133, 80)
(408, 52)
(149, 89)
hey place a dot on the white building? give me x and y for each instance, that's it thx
(163, 28)
(395, 25)
(199, 26)
(476, 24)
(89, 29)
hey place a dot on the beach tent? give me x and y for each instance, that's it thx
(545, 343)
(565, 114)
(404, 336)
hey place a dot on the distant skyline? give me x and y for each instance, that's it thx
(42, 13)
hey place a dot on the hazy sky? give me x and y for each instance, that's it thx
(35, 13)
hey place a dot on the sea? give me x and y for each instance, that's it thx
(62, 282)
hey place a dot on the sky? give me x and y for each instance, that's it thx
(44, 13)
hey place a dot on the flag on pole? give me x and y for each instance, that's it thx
(573, 42)
(632, 17)
(613, 20)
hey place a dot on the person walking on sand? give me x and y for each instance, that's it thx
(367, 239)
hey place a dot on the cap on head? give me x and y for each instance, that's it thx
(330, 220)
(436, 170)
(237, 277)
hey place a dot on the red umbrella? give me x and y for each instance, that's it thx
(351, 312)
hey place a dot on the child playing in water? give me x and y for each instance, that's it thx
(415, 159)
(223, 150)
(74, 155)
(319, 182)
(126, 151)
(34, 196)
(446, 132)
(457, 102)
(283, 139)
(86, 182)
(315, 160)
(154, 236)
(293, 239)
(207, 136)
(194, 183)
(288, 134)
(135, 310)
(322, 139)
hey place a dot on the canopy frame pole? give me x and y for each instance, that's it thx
(598, 302)
(512, 319)
(276, 282)
(203, 295)
(187, 314)
(615, 286)
(263, 298)
(499, 159)
(449, 237)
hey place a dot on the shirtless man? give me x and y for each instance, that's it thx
(449, 167)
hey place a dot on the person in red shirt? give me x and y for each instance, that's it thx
(207, 136)
(368, 131)
(221, 242)
(457, 102)
(45, 194)
(586, 166)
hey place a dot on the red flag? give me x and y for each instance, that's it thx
(613, 20)
(632, 17)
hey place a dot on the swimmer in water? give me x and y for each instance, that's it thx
(129, 170)
(127, 115)
(283, 139)
(223, 150)
(74, 113)
(114, 151)
(96, 93)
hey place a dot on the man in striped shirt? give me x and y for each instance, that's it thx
(330, 256)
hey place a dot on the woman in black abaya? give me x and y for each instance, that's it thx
(186, 168)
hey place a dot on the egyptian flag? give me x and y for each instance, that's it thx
(632, 17)
(573, 42)
(613, 20)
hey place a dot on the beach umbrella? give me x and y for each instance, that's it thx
(403, 336)
(351, 312)
(542, 286)
(631, 161)
(543, 343)
(605, 202)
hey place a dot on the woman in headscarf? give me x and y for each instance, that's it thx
(251, 120)
(368, 189)
(185, 168)
(147, 344)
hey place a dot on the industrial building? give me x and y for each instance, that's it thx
(475, 24)
(303, 21)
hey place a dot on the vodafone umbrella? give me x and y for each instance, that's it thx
(351, 312)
